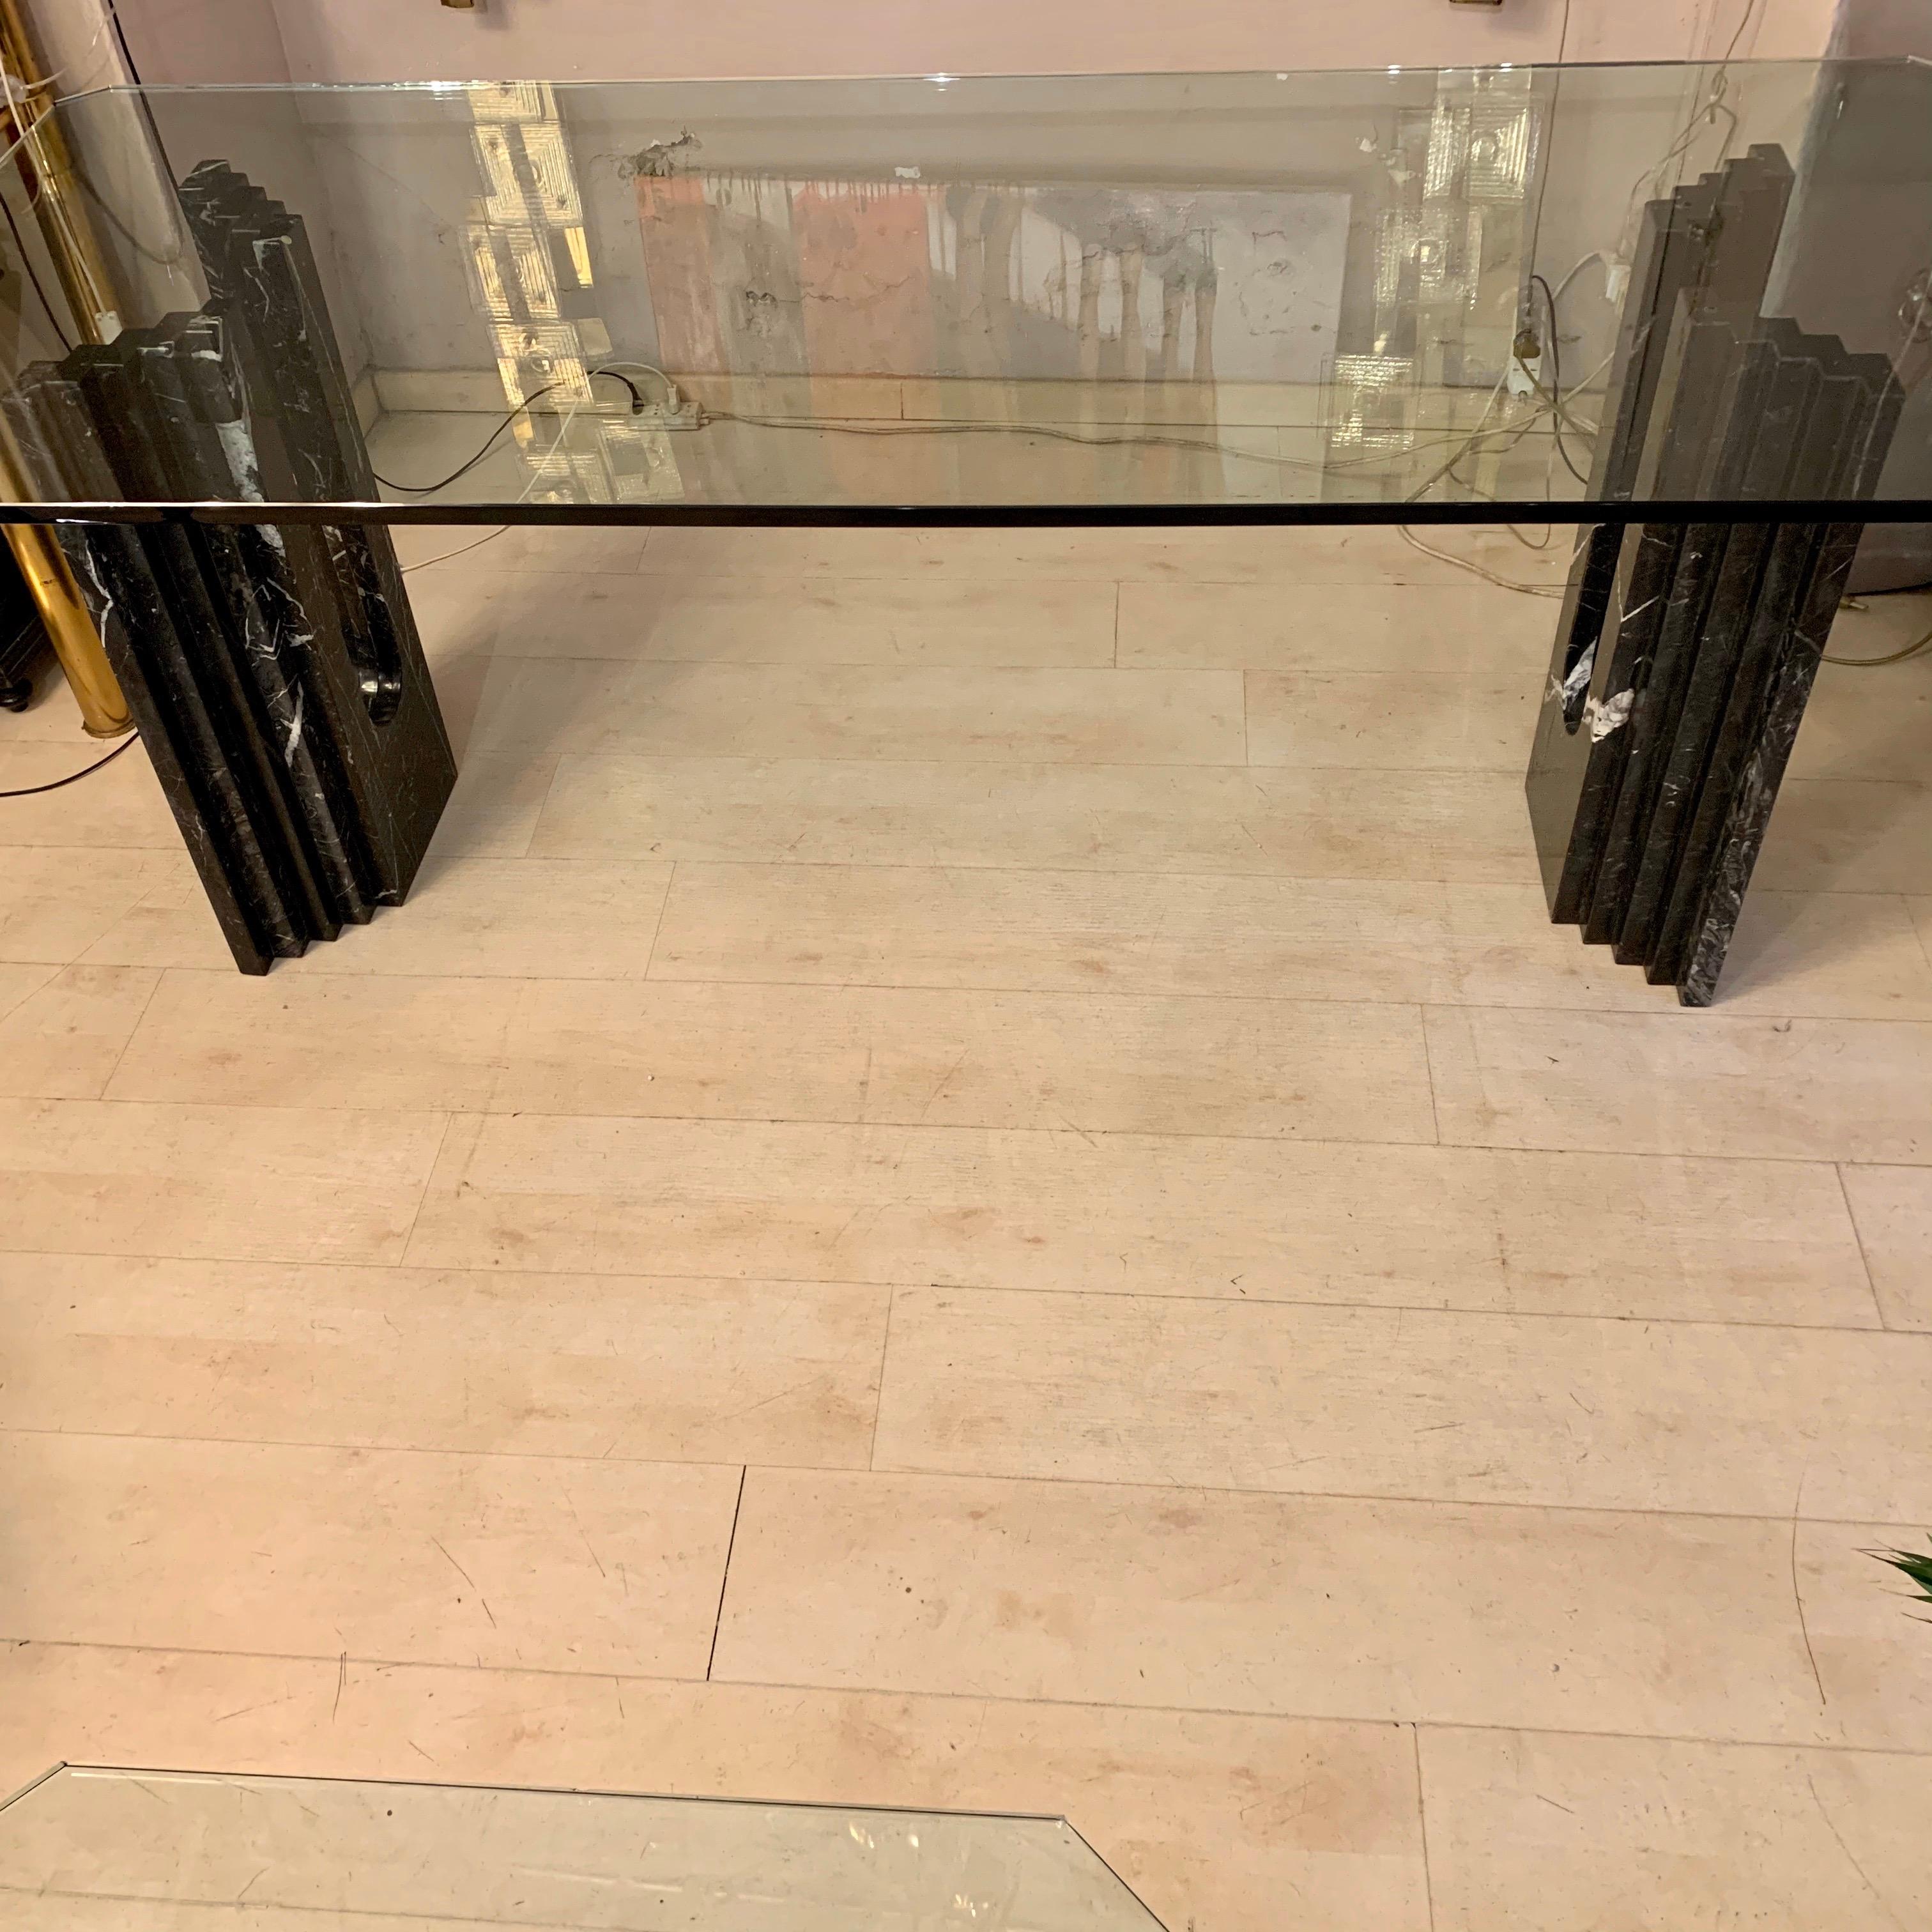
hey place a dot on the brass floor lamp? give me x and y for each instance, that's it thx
(40, 152)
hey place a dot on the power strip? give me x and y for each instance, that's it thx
(683, 413)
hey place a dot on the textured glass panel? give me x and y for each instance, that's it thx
(85, 1850)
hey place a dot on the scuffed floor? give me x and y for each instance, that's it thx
(975, 1179)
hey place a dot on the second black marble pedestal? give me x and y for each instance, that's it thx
(1864, 414)
(1703, 257)
(1715, 633)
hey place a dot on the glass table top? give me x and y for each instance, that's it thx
(1406, 295)
(105, 1850)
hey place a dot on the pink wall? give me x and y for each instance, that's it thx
(1888, 27)
(379, 40)
(624, 39)
(1647, 30)
(210, 40)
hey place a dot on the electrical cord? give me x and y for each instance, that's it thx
(121, 37)
(1705, 114)
(490, 443)
(1911, 650)
(87, 771)
(823, 426)
(1516, 432)
(490, 536)
(1477, 569)
(67, 67)
(74, 777)
(461, 550)
(12, 148)
(462, 470)
(1048, 431)
(105, 209)
(1552, 399)
(1594, 255)
(673, 399)
(27, 267)
(1029, 429)
(1556, 380)
(637, 403)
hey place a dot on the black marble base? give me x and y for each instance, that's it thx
(1685, 651)
(1727, 417)
(275, 672)
(195, 709)
(375, 692)
(1715, 634)
(1703, 258)
(1861, 402)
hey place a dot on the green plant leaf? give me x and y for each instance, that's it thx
(1912, 1564)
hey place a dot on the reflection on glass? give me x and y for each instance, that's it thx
(87, 1850)
(1223, 289)
(529, 274)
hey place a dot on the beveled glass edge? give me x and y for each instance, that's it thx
(541, 1791)
(1786, 63)
(34, 1783)
(995, 516)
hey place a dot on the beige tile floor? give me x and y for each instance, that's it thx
(974, 1179)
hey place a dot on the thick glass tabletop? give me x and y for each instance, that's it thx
(1408, 294)
(90, 1850)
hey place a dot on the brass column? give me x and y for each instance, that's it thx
(45, 169)
(103, 710)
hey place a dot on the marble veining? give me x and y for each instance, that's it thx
(275, 672)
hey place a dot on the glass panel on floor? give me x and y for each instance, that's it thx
(90, 1849)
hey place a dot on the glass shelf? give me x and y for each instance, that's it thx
(101, 1850)
(1408, 294)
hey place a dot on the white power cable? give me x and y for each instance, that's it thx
(67, 67)
(462, 550)
(1705, 115)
